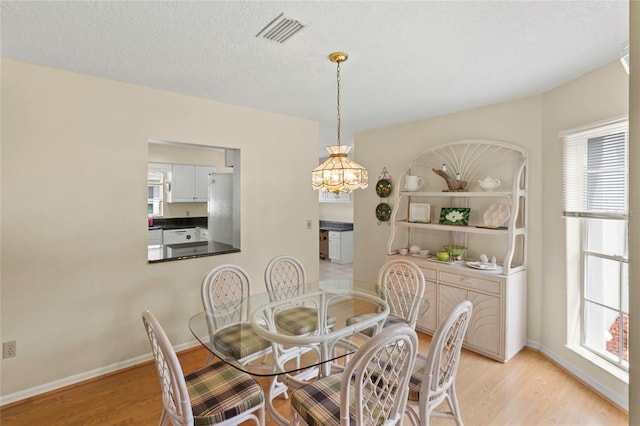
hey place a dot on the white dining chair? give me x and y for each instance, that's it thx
(224, 291)
(284, 279)
(372, 389)
(217, 394)
(401, 284)
(433, 377)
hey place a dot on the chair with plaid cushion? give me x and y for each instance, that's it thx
(371, 390)
(401, 284)
(284, 278)
(224, 292)
(217, 394)
(433, 377)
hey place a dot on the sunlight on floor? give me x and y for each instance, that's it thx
(334, 271)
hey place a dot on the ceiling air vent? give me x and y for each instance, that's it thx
(280, 29)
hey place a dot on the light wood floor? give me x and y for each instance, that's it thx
(528, 390)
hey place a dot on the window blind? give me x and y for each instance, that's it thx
(595, 177)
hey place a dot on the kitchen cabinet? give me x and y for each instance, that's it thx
(498, 325)
(188, 183)
(497, 328)
(155, 237)
(330, 197)
(203, 234)
(341, 246)
(188, 249)
(428, 322)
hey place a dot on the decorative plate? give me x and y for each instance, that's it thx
(383, 212)
(496, 215)
(383, 188)
(483, 266)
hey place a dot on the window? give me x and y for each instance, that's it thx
(596, 209)
(155, 181)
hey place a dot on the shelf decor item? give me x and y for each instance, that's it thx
(383, 212)
(383, 188)
(419, 212)
(489, 183)
(454, 216)
(454, 183)
(496, 215)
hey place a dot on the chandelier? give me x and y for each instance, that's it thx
(338, 173)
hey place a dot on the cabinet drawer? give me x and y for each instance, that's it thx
(429, 274)
(472, 283)
(179, 236)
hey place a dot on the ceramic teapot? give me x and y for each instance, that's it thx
(489, 183)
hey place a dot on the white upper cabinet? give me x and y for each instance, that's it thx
(188, 183)
(330, 197)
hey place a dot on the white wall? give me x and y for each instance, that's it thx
(533, 123)
(597, 96)
(337, 212)
(75, 276)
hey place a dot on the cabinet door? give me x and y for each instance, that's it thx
(429, 320)
(202, 179)
(484, 328)
(155, 237)
(182, 184)
(329, 197)
(334, 245)
(448, 298)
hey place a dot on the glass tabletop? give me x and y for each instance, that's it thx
(276, 333)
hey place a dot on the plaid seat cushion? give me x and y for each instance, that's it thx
(391, 320)
(318, 403)
(239, 340)
(417, 375)
(300, 320)
(219, 392)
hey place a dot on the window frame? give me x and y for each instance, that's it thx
(577, 243)
(161, 170)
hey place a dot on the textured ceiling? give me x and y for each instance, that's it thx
(407, 60)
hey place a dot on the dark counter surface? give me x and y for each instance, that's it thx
(189, 250)
(326, 225)
(180, 223)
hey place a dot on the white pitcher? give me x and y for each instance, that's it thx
(413, 183)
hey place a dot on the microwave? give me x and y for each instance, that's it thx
(420, 212)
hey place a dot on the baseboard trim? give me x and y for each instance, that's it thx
(597, 386)
(82, 377)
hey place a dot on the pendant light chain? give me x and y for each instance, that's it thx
(338, 101)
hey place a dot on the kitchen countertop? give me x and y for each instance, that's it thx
(326, 225)
(179, 223)
(202, 248)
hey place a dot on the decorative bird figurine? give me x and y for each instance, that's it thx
(455, 184)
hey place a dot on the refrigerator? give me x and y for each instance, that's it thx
(222, 221)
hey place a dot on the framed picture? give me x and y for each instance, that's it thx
(455, 216)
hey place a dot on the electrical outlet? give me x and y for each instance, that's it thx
(9, 349)
(309, 224)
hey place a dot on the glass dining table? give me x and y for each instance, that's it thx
(293, 335)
